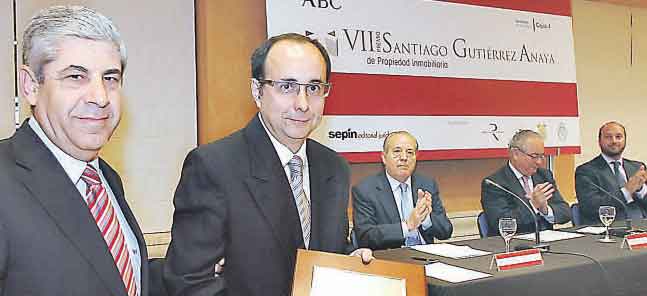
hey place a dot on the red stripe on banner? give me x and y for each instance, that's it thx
(558, 7)
(518, 265)
(367, 94)
(370, 157)
(637, 235)
(638, 246)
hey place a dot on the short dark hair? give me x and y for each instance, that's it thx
(608, 123)
(386, 139)
(260, 54)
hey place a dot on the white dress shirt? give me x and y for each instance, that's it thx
(395, 189)
(285, 155)
(628, 196)
(74, 169)
(550, 217)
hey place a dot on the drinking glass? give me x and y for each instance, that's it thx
(507, 229)
(607, 215)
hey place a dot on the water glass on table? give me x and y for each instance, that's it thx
(507, 229)
(607, 215)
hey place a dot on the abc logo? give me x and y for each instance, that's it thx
(322, 4)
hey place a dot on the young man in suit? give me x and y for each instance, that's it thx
(258, 195)
(621, 177)
(397, 206)
(525, 176)
(65, 226)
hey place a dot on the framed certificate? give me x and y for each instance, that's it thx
(320, 273)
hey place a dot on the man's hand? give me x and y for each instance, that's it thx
(540, 196)
(365, 254)
(636, 182)
(421, 211)
(220, 266)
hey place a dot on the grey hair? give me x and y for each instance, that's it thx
(52, 25)
(520, 137)
(394, 133)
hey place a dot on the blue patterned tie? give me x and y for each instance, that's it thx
(303, 204)
(406, 204)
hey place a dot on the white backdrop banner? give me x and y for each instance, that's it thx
(447, 72)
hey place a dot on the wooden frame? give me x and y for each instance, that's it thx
(414, 275)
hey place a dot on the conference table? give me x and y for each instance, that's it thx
(622, 271)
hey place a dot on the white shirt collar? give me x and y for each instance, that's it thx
(395, 183)
(73, 167)
(516, 172)
(283, 151)
(609, 159)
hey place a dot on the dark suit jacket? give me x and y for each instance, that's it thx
(49, 242)
(590, 198)
(376, 217)
(499, 204)
(234, 201)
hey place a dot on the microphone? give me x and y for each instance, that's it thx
(616, 199)
(538, 244)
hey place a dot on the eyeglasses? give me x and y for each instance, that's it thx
(398, 154)
(289, 88)
(534, 156)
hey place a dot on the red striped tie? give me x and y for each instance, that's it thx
(104, 215)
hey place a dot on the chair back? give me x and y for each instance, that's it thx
(575, 214)
(481, 221)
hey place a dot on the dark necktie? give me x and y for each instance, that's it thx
(616, 171)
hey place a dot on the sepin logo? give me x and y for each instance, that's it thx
(351, 134)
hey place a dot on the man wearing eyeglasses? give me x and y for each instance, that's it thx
(397, 206)
(525, 176)
(619, 176)
(255, 197)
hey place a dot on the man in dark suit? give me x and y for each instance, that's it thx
(524, 176)
(397, 206)
(621, 177)
(65, 226)
(258, 195)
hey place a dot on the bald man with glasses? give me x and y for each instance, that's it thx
(524, 175)
(252, 199)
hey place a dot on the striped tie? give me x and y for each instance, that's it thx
(303, 204)
(104, 215)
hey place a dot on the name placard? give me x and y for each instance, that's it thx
(518, 259)
(635, 241)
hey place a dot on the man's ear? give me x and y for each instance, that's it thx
(28, 85)
(257, 91)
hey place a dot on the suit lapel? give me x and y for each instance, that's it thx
(268, 185)
(414, 189)
(514, 185)
(41, 174)
(606, 172)
(323, 185)
(630, 168)
(385, 193)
